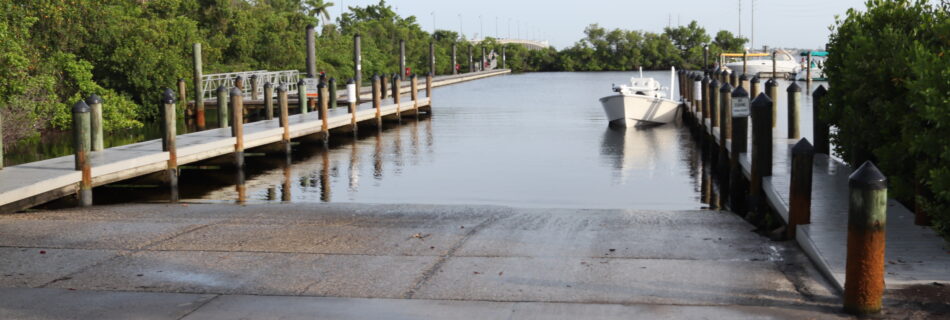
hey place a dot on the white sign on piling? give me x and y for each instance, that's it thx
(351, 92)
(740, 107)
(312, 89)
(698, 88)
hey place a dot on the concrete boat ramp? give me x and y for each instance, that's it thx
(326, 261)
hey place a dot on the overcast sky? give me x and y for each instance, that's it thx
(794, 23)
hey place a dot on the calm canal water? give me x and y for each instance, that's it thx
(529, 140)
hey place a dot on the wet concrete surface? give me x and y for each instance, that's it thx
(499, 261)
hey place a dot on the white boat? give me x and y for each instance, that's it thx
(761, 64)
(642, 103)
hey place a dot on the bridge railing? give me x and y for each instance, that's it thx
(211, 82)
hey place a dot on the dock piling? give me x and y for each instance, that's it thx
(705, 99)
(82, 147)
(239, 83)
(284, 115)
(432, 57)
(771, 88)
(254, 87)
(740, 132)
(754, 86)
(199, 95)
(377, 99)
(302, 96)
(311, 52)
(794, 110)
(808, 71)
(414, 91)
(357, 63)
(332, 96)
(169, 114)
(237, 127)
(402, 58)
(384, 83)
(182, 97)
(867, 219)
(454, 60)
(713, 104)
(725, 133)
(95, 105)
(397, 84)
(352, 96)
(761, 150)
(745, 82)
(222, 93)
(799, 206)
(821, 130)
(471, 59)
(324, 114)
(268, 101)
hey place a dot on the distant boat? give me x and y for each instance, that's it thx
(642, 103)
(817, 67)
(761, 63)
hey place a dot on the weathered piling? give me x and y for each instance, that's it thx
(771, 88)
(237, 127)
(799, 204)
(302, 96)
(402, 58)
(254, 87)
(222, 93)
(199, 95)
(432, 57)
(484, 61)
(239, 83)
(794, 110)
(761, 150)
(713, 104)
(822, 145)
(384, 83)
(414, 91)
(734, 79)
(705, 60)
(268, 101)
(95, 105)
(744, 82)
(169, 132)
(377, 99)
(745, 65)
(284, 116)
(310, 38)
(740, 131)
(324, 113)
(454, 60)
(182, 98)
(471, 59)
(725, 133)
(867, 219)
(332, 96)
(754, 88)
(705, 99)
(429, 87)
(357, 63)
(396, 87)
(82, 146)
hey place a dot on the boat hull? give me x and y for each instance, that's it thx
(764, 67)
(637, 110)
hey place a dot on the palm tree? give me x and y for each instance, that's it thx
(318, 8)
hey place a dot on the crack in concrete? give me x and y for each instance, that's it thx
(441, 261)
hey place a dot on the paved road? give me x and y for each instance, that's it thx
(397, 261)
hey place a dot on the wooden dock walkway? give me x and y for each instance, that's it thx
(30, 184)
(914, 254)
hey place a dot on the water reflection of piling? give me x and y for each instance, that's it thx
(285, 191)
(354, 168)
(325, 177)
(378, 156)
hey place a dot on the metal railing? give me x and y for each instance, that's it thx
(211, 82)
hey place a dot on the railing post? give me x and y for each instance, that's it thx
(761, 149)
(302, 96)
(794, 110)
(284, 116)
(332, 95)
(377, 99)
(799, 204)
(82, 147)
(222, 107)
(168, 141)
(95, 104)
(268, 101)
(867, 219)
(740, 132)
(771, 88)
(254, 87)
(237, 128)
(821, 130)
(199, 90)
(358, 65)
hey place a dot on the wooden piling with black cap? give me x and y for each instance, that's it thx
(867, 220)
(82, 145)
(799, 204)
